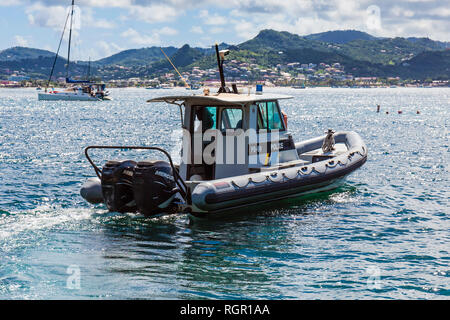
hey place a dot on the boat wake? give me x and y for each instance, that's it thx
(44, 217)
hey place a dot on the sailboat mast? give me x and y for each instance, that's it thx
(70, 39)
(89, 70)
(57, 53)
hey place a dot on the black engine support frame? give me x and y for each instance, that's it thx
(183, 189)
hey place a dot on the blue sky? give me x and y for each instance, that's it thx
(105, 27)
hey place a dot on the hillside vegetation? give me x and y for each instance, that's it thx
(360, 53)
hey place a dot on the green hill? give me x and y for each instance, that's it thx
(183, 57)
(376, 57)
(40, 68)
(136, 57)
(275, 40)
(388, 51)
(340, 36)
(436, 45)
(360, 53)
(430, 64)
(19, 53)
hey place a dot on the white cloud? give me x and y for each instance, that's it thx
(135, 37)
(197, 29)
(215, 30)
(245, 29)
(107, 49)
(21, 41)
(153, 13)
(7, 3)
(50, 17)
(89, 20)
(106, 3)
(55, 16)
(167, 31)
(212, 19)
(247, 17)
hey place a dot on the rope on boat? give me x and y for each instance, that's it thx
(187, 85)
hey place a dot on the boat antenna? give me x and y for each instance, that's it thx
(220, 59)
(70, 39)
(57, 52)
(186, 84)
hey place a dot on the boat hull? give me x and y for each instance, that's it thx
(271, 200)
(235, 192)
(66, 96)
(323, 172)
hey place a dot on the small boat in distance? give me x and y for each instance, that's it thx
(166, 86)
(91, 92)
(80, 90)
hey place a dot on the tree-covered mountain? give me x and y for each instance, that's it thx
(361, 55)
(387, 51)
(340, 36)
(429, 64)
(136, 57)
(19, 53)
(437, 45)
(268, 40)
(40, 67)
(181, 58)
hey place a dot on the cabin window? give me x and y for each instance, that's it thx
(262, 116)
(275, 119)
(269, 116)
(231, 119)
(207, 116)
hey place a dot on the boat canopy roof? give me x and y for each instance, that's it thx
(220, 99)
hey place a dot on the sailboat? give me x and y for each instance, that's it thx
(81, 90)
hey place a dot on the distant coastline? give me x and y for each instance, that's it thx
(336, 58)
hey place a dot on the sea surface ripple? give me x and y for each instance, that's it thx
(384, 235)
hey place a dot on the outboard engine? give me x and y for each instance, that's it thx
(117, 185)
(154, 187)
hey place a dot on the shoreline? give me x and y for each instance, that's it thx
(252, 86)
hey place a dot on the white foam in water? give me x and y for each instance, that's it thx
(40, 218)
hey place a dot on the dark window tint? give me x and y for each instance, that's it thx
(231, 119)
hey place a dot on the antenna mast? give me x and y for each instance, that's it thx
(220, 59)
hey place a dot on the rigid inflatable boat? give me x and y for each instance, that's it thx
(236, 152)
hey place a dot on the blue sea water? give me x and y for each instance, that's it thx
(384, 235)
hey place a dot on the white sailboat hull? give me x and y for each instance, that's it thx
(67, 96)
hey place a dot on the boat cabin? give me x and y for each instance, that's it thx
(229, 134)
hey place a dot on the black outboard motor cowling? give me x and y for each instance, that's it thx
(154, 187)
(117, 186)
